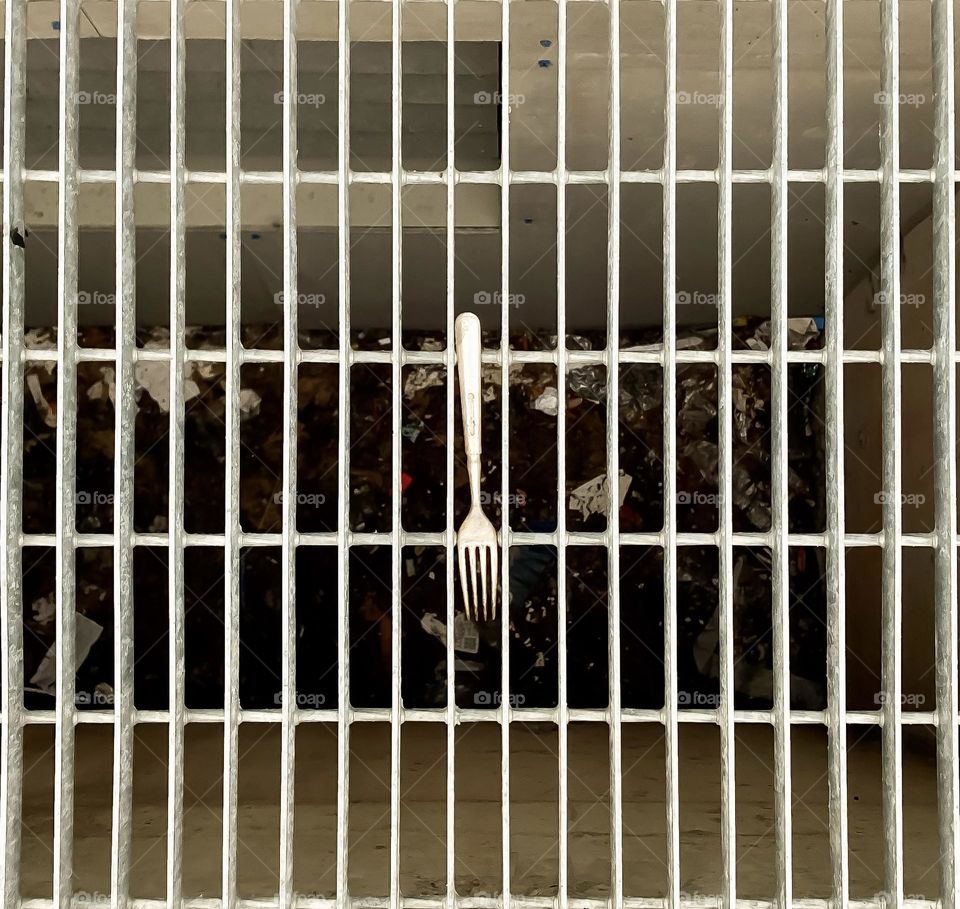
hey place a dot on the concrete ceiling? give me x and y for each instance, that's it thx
(533, 84)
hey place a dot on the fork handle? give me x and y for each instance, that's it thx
(468, 342)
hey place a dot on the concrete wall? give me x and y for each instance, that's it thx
(863, 437)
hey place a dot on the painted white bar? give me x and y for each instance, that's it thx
(945, 451)
(491, 177)
(517, 538)
(396, 414)
(66, 524)
(891, 474)
(176, 590)
(343, 467)
(491, 715)
(725, 417)
(288, 548)
(562, 728)
(505, 707)
(614, 652)
(231, 556)
(834, 463)
(450, 714)
(124, 457)
(11, 449)
(670, 696)
(779, 518)
(514, 357)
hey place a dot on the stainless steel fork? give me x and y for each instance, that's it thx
(477, 538)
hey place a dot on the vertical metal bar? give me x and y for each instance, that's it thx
(671, 730)
(615, 718)
(892, 747)
(175, 520)
(396, 350)
(728, 798)
(505, 711)
(11, 449)
(343, 466)
(124, 452)
(562, 718)
(945, 433)
(451, 223)
(836, 521)
(780, 553)
(291, 358)
(231, 558)
(66, 453)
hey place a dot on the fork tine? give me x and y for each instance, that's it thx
(493, 578)
(472, 559)
(483, 581)
(462, 561)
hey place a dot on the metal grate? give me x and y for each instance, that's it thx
(835, 541)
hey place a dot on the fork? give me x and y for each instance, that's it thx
(477, 538)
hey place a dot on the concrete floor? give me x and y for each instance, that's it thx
(479, 828)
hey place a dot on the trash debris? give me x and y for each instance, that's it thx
(87, 631)
(548, 402)
(534, 402)
(593, 496)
